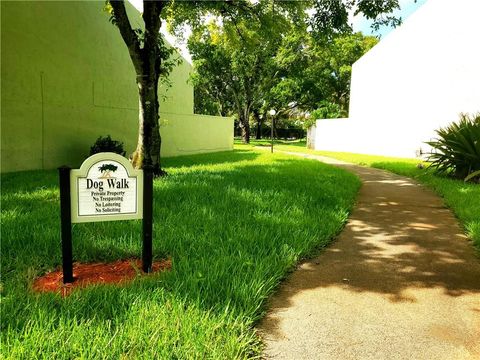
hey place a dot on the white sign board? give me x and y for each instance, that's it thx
(106, 188)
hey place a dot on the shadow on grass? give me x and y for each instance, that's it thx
(267, 142)
(217, 158)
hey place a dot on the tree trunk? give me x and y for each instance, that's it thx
(244, 126)
(147, 63)
(149, 140)
(246, 134)
(256, 115)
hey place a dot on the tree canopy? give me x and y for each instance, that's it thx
(248, 36)
(235, 61)
(249, 69)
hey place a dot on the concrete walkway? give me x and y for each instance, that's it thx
(400, 282)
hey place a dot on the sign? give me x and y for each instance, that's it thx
(106, 188)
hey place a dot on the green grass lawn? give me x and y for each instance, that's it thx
(463, 198)
(233, 224)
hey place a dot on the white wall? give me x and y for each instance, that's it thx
(418, 78)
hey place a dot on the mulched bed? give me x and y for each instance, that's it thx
(116, 272)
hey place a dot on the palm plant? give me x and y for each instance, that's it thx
(456, 151)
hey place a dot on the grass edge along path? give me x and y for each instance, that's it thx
(462, 198)
(233, 223)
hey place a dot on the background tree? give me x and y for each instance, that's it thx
(233, 60)
(298, 74)
(332, 60)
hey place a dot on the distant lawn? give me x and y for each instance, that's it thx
(462, 198)
(234, 224)
(300, 143)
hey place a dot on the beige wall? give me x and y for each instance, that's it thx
(205, 134)
(67, 79)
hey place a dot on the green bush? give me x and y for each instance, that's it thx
(456, 152)
(328, 110)
(106, 144)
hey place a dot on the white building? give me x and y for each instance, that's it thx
(417, 79)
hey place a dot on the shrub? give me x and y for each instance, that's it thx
(106, 144)
(456, 152)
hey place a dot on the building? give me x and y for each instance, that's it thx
(66, 79)
(418, 78)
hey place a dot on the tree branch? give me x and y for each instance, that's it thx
(151, 18)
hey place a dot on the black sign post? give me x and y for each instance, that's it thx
(147, 218)
(66, 224)
(82, 205)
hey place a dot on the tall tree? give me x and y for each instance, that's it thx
(299, 73)
(234, 59)
(149, 54)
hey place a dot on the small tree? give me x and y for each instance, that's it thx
(107, 169)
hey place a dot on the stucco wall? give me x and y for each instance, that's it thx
(418, 78)
(67, 79)
(203, 129)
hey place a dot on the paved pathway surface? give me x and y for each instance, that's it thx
(400, 282)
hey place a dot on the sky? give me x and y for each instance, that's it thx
(407, 8)
(359, 23)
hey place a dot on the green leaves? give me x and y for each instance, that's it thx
(109, 10)
(318, 71)
(328, 110)
(331, 17)
(108, 167)
(456, 152)
(234, 59)
(472, 175)
(107, 144)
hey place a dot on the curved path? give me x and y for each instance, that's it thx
(400, 282)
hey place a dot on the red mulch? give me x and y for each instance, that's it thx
(97, 273)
